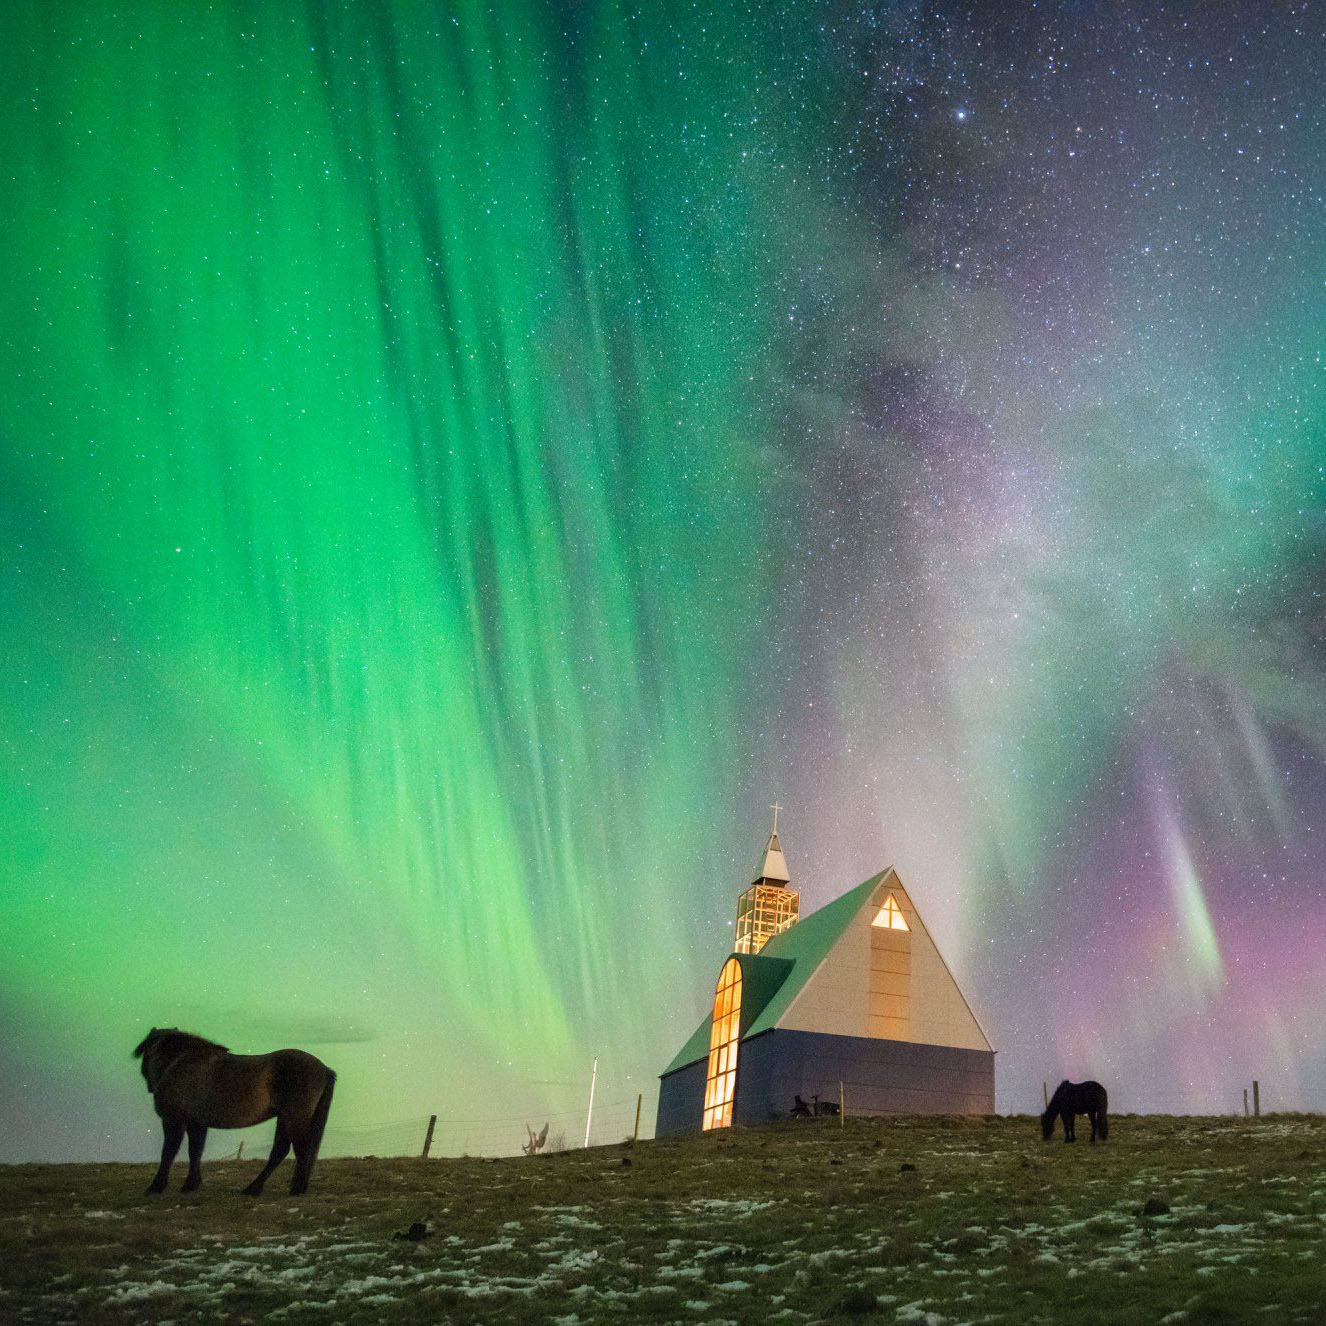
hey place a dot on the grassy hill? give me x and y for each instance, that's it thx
(928, 1220)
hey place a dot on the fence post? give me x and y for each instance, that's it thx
(1256, 1099)
(636, 1132)
(1045, 1091)
(842, 1105)
(239, 1155)
(428, 1136)
(1245, 1102)
(589, 1114)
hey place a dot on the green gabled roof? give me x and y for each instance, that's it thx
(804, 946)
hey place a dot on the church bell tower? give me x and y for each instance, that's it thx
(769, 905)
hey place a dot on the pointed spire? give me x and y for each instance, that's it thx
(774, 868)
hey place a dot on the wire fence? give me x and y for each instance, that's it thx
(613, 1121)
(1249, 1098)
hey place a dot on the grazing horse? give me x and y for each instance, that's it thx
(1073, 1098)
(197, 1085)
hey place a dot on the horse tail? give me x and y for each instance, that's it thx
(318, 1121)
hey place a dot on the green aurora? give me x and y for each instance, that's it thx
(419, 578)
(368, 626)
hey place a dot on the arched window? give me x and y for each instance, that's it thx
(721, 1080)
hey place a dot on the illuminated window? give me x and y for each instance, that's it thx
(721, 1079)
(890, 917)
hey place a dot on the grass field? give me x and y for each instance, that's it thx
(915, 1220)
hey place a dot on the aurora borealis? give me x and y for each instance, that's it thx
(461, 462)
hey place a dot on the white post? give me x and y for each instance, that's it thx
(593, 1081)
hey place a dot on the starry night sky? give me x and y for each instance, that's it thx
(460, 463)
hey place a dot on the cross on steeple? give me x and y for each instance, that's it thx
(771, 904)
(774, 867)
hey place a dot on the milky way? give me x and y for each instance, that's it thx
(459, 466)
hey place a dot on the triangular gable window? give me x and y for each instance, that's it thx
(890, 917)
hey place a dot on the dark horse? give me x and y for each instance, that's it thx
(1072, 1098)
(197, 1085)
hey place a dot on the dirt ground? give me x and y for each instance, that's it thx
(911, 1220)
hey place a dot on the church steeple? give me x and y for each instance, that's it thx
(774, 869)
(769, 905)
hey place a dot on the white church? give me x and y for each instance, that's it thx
(854, 1000)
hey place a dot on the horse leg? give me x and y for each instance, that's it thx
(308, 1137)
(304, 1155)
(1091, 1114)
(306, 1152)
(280, 1149)
(174, 1135)
(1069, 1134)
(197, 1137)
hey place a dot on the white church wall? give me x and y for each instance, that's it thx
(831, 1000)
(890, 985)
(940, 1015)
(885, 983)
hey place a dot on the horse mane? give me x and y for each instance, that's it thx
(175, 1042)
